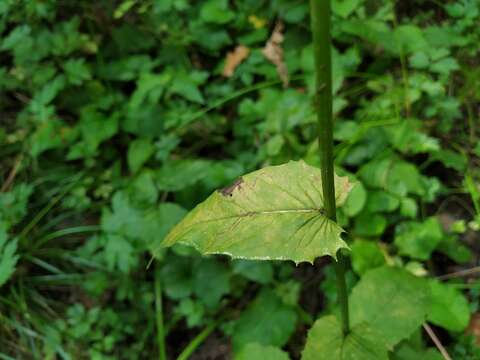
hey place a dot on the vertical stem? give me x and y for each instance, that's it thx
(162, 352)
(403, 64)
(320, 24)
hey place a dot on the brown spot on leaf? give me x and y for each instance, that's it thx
(227, 191)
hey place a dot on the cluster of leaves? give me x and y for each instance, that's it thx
(117, 122)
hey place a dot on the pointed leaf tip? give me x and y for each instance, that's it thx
(275, 213)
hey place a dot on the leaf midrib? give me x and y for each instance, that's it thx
(266, 212)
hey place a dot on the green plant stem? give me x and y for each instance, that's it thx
(196, 342)
(162, 352)
(320, 24)
(403, 64)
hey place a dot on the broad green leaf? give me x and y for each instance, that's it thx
(255, 351)
(275, 213)
(326, 342)
(267, 321)
(392, 301)
(366, 255)
(418, 240)
(449, 308)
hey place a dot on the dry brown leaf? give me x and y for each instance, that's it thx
(274, 53)
(235, 58)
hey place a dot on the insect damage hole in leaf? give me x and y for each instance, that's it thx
(275, 213)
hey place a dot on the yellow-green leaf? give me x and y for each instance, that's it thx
(276, 213)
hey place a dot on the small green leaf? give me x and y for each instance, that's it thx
(192, 311)
(356, 200)
(267, 320)
(216, 11)
(449, 308)
(382, 201)
(326, 342)
(366, 255)
(139, 152)
(275, 213)
(255, 351)
(454, 249)
(77, 71)
(392, 301)
(368, 224)
(344, 8)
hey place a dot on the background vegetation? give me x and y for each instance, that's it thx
(116, 117)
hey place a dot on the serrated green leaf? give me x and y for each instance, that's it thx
(326, 342)
(392, 301)
(255, 351)
(275, 213)
(449, 308)
(267, 321)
